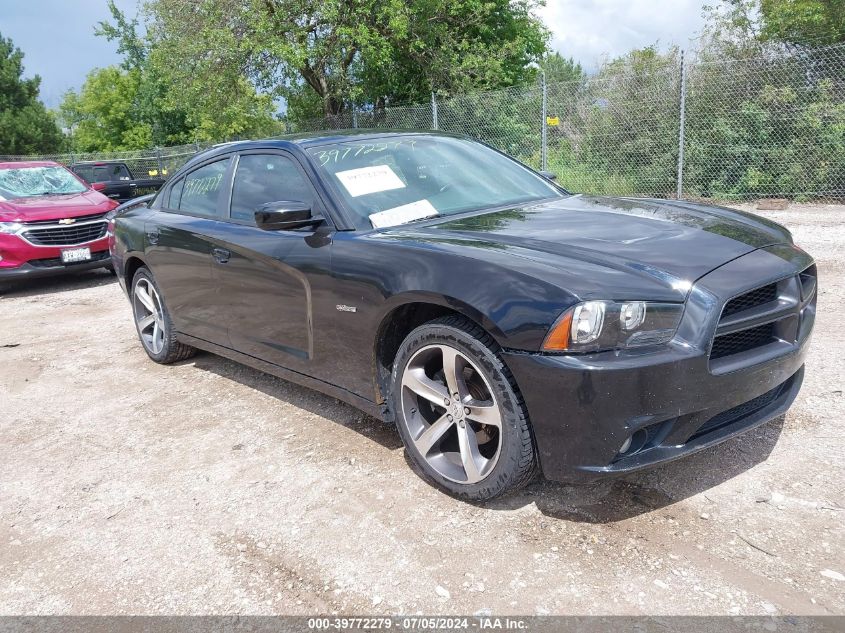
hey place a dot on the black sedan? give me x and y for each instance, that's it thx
(503, 324)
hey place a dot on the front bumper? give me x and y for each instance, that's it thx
(674, 401)
(23, 260)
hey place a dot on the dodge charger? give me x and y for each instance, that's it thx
(506, 326)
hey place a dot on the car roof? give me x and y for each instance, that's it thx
(28, 163)
(312, 139)
(98, 163)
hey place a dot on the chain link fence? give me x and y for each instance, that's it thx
(768, 124)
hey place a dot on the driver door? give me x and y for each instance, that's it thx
(268, 279)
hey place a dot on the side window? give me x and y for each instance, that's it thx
(263, 178)
(174, 194)
(201, 189)
(85, 172)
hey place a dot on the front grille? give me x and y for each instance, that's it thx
(66, 235)
(57, 261)
(757, 297)
(742, 341)
(741, 411)
(78, 218)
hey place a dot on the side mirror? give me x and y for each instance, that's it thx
(285, 215)
(548, 175)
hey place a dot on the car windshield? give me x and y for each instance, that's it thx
(26, 182)
(391, 181)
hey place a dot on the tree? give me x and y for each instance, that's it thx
(349, 51)
(137, 105)
(803, 22)
(26, 127)
(560, 70)
(102, 116)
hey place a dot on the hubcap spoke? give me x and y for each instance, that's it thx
(485, 414)
(145, 298)
(452, 368)
(432, 434)
(416, 380)
(147, 321)
(470, 455)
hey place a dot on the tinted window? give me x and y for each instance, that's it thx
(201, 188)
(85, 172)
(103, 173)
(173, 195)
(263, 178)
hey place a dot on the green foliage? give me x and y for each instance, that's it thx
(145, 103)
(560, 70)
(803, 22)
(26, 127)
(368, 52)
(620, 127)
(102, 116)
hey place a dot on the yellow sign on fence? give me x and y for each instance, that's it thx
(553, 121)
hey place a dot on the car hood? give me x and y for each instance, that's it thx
(55, 207)
(671, 240)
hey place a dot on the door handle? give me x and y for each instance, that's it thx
(221, 255)
(152, 236)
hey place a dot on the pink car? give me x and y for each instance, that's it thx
(51, 221)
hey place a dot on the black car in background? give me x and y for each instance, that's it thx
(504, 324)
(114, 179)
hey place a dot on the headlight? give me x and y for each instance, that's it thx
(10, 227)
(602, 325)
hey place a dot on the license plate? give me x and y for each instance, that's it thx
(76, 255)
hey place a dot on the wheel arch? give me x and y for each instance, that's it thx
(130, 267)
(404, 314)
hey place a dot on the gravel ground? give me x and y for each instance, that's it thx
(207, 487)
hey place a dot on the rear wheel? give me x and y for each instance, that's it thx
(153, 323)
(459, 412)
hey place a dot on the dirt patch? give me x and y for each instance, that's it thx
(207, 487)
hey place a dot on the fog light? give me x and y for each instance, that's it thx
(625, 446)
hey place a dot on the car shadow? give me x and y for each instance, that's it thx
(639, 493)
(608, 501)
(301, 397)
(59, 283)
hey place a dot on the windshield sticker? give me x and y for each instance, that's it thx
(360, 182)
(406, 213)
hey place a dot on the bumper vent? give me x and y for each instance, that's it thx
(741, 411)
(757, 297)
(764, 322)
(743, 340)
(65, 235)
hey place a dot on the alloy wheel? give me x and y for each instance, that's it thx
(451, 414)
(149, 315)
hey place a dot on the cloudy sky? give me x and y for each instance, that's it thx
(57, 36)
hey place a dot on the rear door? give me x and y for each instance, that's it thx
(271, 279)
(179, 249)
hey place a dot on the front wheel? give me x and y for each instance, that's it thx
(459, 412)
(153, 323)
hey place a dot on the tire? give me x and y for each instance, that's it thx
(456, 443)
(153, 323)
